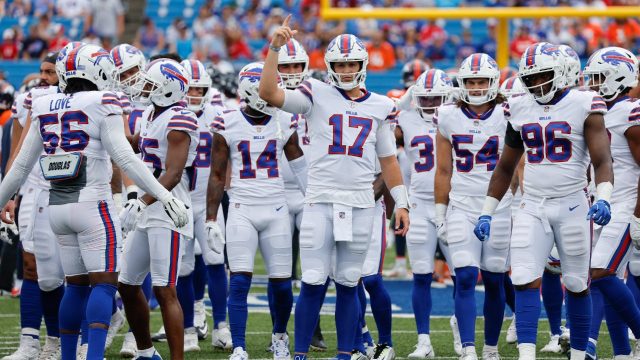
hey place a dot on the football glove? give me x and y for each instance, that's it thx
(600, 213)
(483, 228)
(634, 231)
(8, 232)
(215, 236)
(177, 211)
(130, 214)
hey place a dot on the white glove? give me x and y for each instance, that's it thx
(634, 231)
(8, 232)
(441, 223)
(176, 210)
(130, 214)
(214, 236)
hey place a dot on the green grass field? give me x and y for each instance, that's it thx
(258, 337)
(258, 333)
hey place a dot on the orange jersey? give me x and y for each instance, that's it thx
(395, 93)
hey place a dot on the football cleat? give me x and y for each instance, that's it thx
(81, 353)
(357, 355)
(423, 349)
(512, 335)
(200, 319)
(317, 340)
(29, 349)
(590, 352)
(155, 356)
(280, 347)
(239, 354)
(129, 347)
(221, 337)
(191, 340)
(51, 349)
(457, 343)
(160, 336)
(490, 354)
(117, 322)
(553, 346)
(469, 353)
(564, 340)
(384, 352)
(527, 351)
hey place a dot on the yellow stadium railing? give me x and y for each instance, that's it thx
(501, 14)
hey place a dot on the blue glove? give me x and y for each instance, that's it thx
(483, 228)
(600, 212)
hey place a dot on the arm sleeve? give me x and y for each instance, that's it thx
(512, 138)
(598, 105)
(297, 101)
(299, 168)
(116, 144)
(385, 141)
(25, 161)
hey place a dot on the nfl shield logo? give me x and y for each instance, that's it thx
(341, 214)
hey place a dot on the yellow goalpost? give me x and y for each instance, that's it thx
(501, 14)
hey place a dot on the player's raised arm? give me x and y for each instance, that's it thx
(269, 89)
(595, 135)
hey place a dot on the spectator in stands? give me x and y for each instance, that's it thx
(411, 48)
(43, 7)
(34, 46)
(213, 42)
(45, 28)
(59, 40)
(180, 39)
(149, 39)
(91, 38)
(252, 24)
(19, 8)
(521, 42)
(430, 30)
(106, 17)
(580, 43)
(236, 45)
(488, 45)
(437, 50)
(71, 9)
(465, 47)
(559, 33)
(9, 46)
(623, 32)
(316, 56)
(381, 53)
(204, 22)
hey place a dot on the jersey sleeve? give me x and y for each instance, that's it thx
(28, 101)
(111, 104)
(126, 104)
(392, 117)
(513, 138)
(300, 100)
(598, 106)
(385, 141)
(440, 119)
(183, 121)
(217, 124)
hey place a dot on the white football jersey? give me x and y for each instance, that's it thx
(134, 116)
(346, 137)
(202, 162)
(420, 148)
(556, 154)
(153, 145)
(255, 153)
(19, 114)
(624, 114)
(71, 124)
(477, 141)
(288, 176)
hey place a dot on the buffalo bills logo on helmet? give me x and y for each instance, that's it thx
(99, 55)
(132, 50)
(571, 53)
(252, 75)
(549, 49)
(172, 73)
(615, 58)
(445, 78)
(492, 62)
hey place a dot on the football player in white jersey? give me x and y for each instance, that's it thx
(418, 131)
(167, 143)
(293, 69)
(613, 72)
(559, 129)
(349, 127)
(40, 295)
(469, 141)
(254, 139)
(199, 101)
(76, 166)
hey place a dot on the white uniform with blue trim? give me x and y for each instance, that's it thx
(614, 243)
(554, 205)
(34, 208)
(420, 148)
(477, 141)
(157, 245)
(73, 126)
(258, 213)
(292, 191)
(198, 189)
(346, 136)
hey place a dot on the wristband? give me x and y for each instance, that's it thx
(490, 205)
(400, 196)
(604, 190)
(132, 192)
(441, 212)
(274, 48)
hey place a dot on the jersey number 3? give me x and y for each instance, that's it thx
(67, 139)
